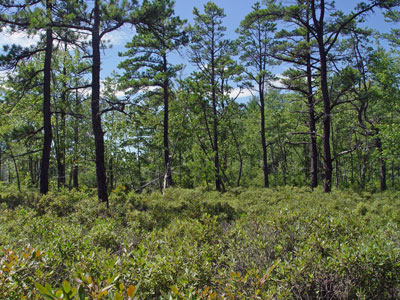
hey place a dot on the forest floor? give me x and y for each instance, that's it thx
(283, 243)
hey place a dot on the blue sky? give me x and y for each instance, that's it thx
(235, 11)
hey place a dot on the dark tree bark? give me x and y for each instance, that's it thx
(261, 87)
(262, 133)
(75, 176)
(95, 106)
(284, 159)
(313, 145)
(218, 183)
(336, 158)
(48, 135)
(61, 135)
(363, 170)
(326, 41)
(311, 119)
(257, 44)
(239, 154)
(167, 158)
(392, 173)
(60, 150)
(31, 171)
(1, 164)
(319, 24)
(111, 175)
(382, 165)
(75, 167)
(16, 169)
(352, 168)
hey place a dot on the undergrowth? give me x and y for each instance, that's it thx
(285, 243)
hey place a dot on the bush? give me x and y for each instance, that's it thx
(284, 243)
(14, 198)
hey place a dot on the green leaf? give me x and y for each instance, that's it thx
(111, 295)
(117, 296)
(42, 289)
(81, 293)
(59, 293)
(66, 286)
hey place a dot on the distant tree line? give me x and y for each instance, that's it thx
(330, 118)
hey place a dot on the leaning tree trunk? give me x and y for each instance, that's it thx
(96, 115)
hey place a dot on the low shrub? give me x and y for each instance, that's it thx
(284, 243)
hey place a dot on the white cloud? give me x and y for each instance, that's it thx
(19, 38)
(4, 74)
(246, 94)
(119, 37)
(278, 82)
(120, 94)
(240, 93)
(115, 38)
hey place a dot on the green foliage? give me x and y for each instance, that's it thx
(13, 198)
(193, 244)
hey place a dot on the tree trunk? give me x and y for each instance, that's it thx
(363, 171)
(16, 168)
(218, 184)
(307, 161)
(382, 165)
(392, 173)
(95, 106)
(262, 133)
(239, 155)
(326, 117)
(60, 152)
(311, 122)
(284, 166)
(62, 133)
(336, 158)
(167, 158)
(48, 135)
(352, 169)
(139, 168)
(1, 161)
(326, 120)
(75, 168)
(111, 177)
(31, 170)
(313, 147)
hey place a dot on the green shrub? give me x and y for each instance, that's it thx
(284, 243)
(104, 234)
(14, 198)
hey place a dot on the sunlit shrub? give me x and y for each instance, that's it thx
(283, 243)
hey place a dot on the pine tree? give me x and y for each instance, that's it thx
(148, 65)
